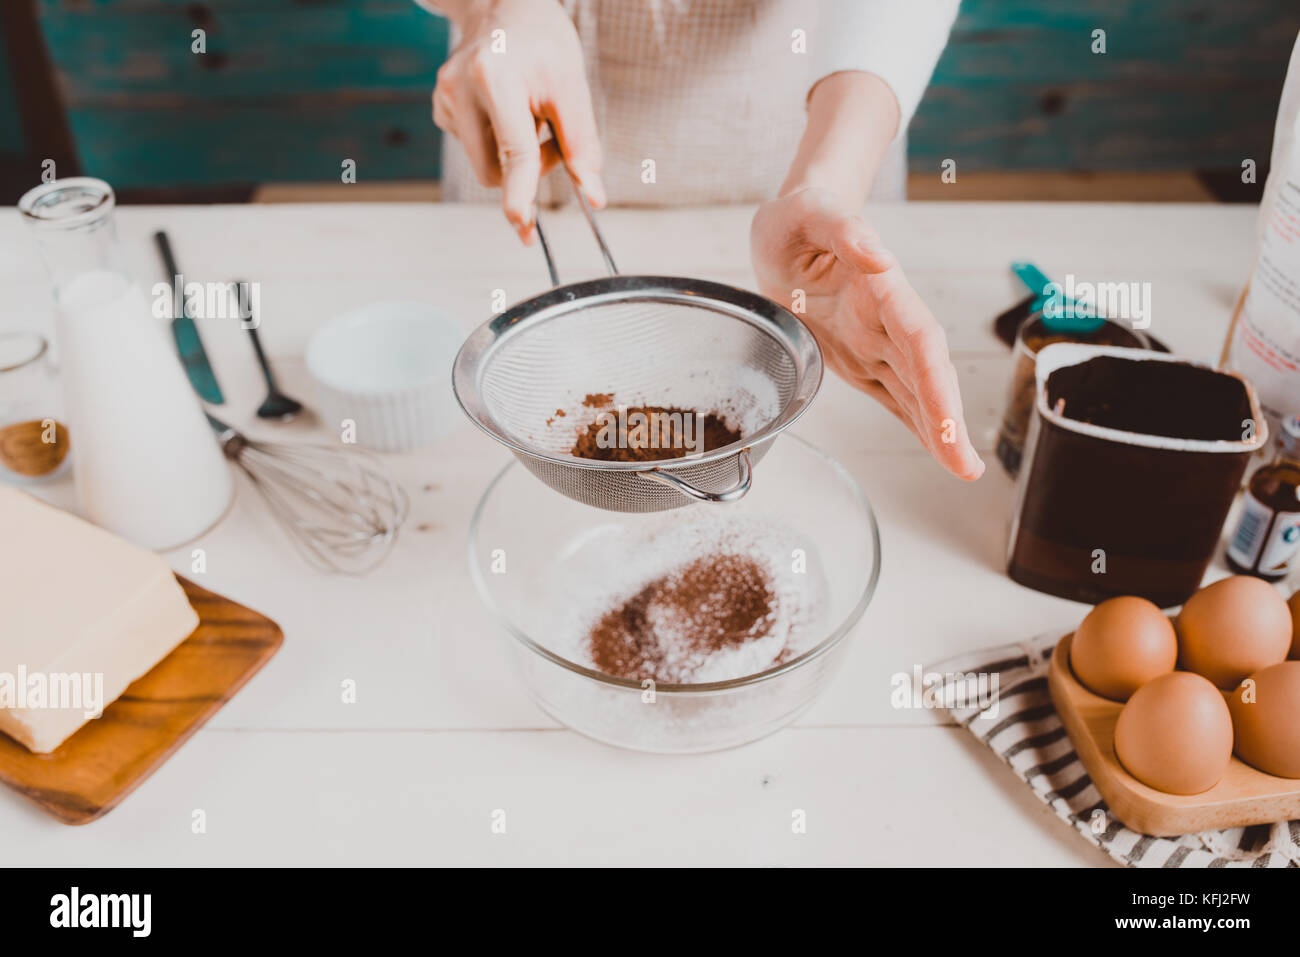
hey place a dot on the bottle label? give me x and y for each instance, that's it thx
(1259, 537)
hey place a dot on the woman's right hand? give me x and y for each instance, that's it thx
(519, 64)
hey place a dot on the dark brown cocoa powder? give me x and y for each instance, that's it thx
(668, 627)
(655, 443)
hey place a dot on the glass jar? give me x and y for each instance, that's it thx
(1033, 335)
(146, 463)
(33, 438)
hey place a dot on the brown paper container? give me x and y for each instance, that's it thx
(1102, 511)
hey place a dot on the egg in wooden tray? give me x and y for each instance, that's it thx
(1191, 723)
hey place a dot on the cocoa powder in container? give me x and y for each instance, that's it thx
(654, 444)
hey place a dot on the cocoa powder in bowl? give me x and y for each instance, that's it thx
(715, 603)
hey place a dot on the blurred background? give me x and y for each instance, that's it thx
(1186, 90)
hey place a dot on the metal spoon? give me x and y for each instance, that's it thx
(276, 405)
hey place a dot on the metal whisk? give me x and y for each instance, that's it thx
(341, 510)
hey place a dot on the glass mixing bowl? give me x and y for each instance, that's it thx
(522, 532)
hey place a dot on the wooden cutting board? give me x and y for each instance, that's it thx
(1243, 796)
(87, 775)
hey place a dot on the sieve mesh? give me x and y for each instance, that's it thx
(643, 353)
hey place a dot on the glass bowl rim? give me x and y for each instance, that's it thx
(837, 634)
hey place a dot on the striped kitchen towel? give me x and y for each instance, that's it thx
(1025, 732)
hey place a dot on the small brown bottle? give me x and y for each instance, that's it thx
(1268, 534)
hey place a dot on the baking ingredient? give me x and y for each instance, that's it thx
(652, 433)
(33, 448)
(146, 464)
(669, 627)
(1293, 603)
(1176, 400)
(1175, 734)
(1232, 629)
(77, 603)
(1123, 643)
(706, 599)
(33, 442)
(1266, 719)
(1268, 532)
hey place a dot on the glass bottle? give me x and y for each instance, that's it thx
(146, 463)
(1268, 532)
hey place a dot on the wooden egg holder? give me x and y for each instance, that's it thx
(1243, 796)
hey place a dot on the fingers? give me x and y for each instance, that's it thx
(496, 108)
(574, 123)
(922, 361)
(879, 382)
(932, 379)
(923, 346)
(467, 121)
(854, 242)
(505, 101)
(550, 156)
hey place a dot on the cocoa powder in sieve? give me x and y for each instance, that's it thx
(664, 439)
(672, 624)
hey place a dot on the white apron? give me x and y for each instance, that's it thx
(697, 101)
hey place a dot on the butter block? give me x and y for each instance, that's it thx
(83, 614)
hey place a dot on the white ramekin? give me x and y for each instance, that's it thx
(386, 368)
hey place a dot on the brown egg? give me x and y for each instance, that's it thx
(1294, 604)
(1266, 719)
(1232, 629)
(1122, 644)
(1175, 734)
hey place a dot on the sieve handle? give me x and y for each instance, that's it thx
(732, 494)
(591, 221)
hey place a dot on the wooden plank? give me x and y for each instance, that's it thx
(1168, 186)
(142, 56)
(1093, 127)
(1181, 86)
(258, 142)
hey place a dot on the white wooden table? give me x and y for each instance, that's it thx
(442, 735)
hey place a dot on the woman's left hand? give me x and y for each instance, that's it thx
(873, 327)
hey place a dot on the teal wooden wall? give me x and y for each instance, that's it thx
(288, 88)
(1185, 84)
(13, 145)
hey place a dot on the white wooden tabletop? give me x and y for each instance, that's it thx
(442, 735)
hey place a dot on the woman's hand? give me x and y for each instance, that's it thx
(872, 326)
(518, 65)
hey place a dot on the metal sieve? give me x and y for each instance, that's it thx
(648, 340)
